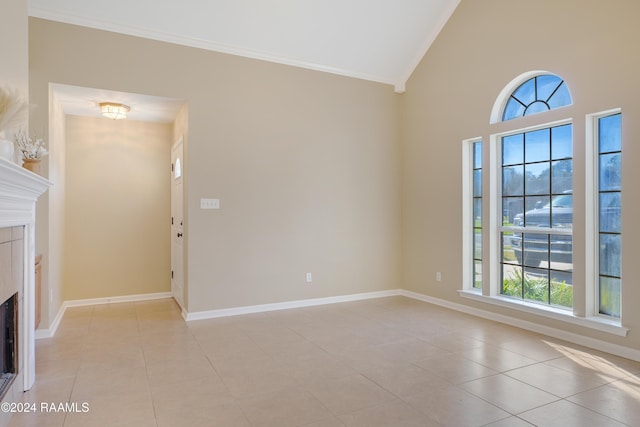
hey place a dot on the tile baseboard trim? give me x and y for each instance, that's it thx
(596, 344)
(225, 312)
(51, 331)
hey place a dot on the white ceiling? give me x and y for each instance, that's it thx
(378, 40)
(83, 101)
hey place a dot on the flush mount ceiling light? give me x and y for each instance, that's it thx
(113, 110)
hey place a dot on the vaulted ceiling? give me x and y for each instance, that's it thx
(377, 40)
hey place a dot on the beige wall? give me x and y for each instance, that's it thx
(593, 46)
(14, 43)
(306, 164)
(117, 233)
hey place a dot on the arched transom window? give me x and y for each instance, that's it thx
(536, 95)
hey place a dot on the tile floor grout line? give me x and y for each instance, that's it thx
(323, 330)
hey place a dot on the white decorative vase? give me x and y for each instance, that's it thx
(7, 148)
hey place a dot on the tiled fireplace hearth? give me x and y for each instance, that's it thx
(19, 191)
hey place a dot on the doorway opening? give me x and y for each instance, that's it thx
(122, 158)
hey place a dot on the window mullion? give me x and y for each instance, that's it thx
(492, 217)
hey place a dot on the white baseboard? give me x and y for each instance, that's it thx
(118, 299)
(51, 331)
(225, 312)
(615, 349)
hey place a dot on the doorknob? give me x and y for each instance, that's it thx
(179, 234)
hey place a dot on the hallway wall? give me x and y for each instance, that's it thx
(117, 239)
(305, 163)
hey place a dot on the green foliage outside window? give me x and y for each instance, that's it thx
(537, 289)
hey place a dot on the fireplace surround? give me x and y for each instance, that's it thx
(19, 191)
(9, 337)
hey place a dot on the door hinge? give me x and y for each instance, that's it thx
(171, 167)
(171, 220)
(172, 274)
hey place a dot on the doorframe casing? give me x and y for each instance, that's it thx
(178, 145)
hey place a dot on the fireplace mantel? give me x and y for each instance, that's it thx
(19, 191)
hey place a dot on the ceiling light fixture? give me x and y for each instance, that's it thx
(113, 110)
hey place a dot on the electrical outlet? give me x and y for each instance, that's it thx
(309, 278)
(438, 276)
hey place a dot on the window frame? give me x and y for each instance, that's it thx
(592, 171)
(517, 99)
(585, 312)
(505, 94)
(496, 204)
(468, 229)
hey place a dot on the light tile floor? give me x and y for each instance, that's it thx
(383, 362)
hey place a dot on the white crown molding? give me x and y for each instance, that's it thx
(199, 43)
(431, 37)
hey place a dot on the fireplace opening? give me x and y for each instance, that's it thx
(9, 349)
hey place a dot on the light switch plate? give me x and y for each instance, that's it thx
(209, 203)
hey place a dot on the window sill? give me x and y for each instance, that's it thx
(597, 323)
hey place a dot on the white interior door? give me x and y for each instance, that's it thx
(177, 223)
